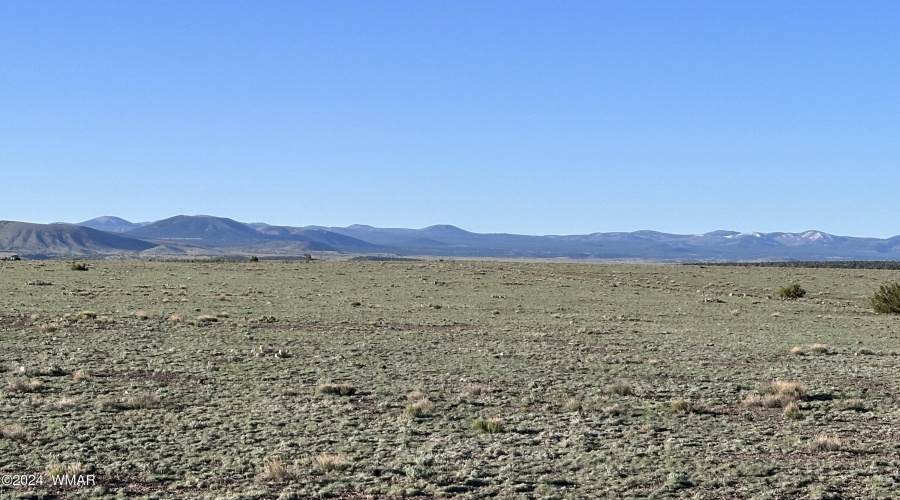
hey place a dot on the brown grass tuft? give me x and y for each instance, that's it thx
(573, 405)
(345, 389)
(420, 408)
(16, 384)
(142, 315)
(797, 351)
(65, 402)
(276, 470)
(326, 462)
(824, 442)
(819, 348)
(478, 389)
(620, 387)
(682, 406)
(14, 431)
(81, 375)
(85, 315)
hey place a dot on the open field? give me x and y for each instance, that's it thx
(366, 380)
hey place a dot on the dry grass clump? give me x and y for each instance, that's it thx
(864, 351)
(420, 408)
(85, 315)
(478, 389)
(797, 351)
(819, 348)
(792, 411)
(853, 404)
(141, 400)
(326, 462)
(488, 425)
(824, 442)
(14, 431)
(611, 410)
(15, 384)
(781, 393)
(175, 319)
(778, 394)
(65, 402)
(796, 390)
(344, 389)
(752, 400)
(81, 375)
(49, 327)
(573, 405)
(207, 318)
(621, 388)
(683, 406)
(276, 470)
(58, 469)
(142, 315)
(416, 395)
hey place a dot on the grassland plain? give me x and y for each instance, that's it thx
(446, 379)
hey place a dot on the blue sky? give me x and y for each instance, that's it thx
(523, 117)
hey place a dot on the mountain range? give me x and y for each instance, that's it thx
(204, 235)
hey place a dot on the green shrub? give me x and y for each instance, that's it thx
(887, 299)
(793, 291)
(488, 425)
(78, 266)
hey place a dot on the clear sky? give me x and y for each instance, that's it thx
(526, 117)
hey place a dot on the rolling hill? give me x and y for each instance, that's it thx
(46, 240)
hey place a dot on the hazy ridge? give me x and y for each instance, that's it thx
(209, 235)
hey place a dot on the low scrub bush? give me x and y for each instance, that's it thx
(488, 425)
(887, 299)
(793, 291)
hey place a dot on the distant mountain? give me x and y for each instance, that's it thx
(46, 240)
(332, 239)
(111, 224)
(200, 230)
(208, 235)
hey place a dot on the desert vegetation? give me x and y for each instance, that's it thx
(381, 379)
(887, 299)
